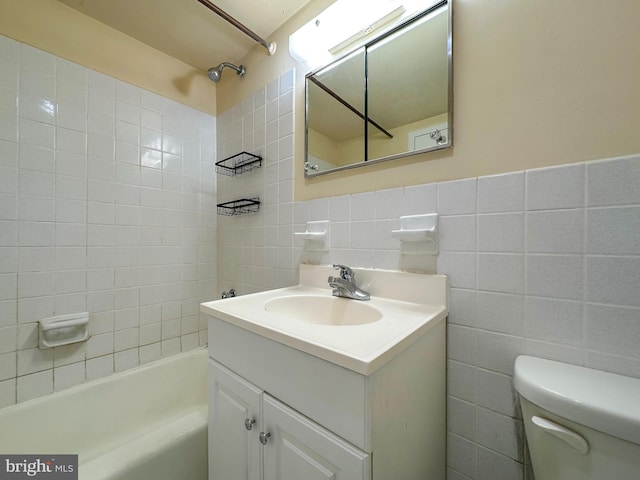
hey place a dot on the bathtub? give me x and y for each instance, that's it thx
(149, 422)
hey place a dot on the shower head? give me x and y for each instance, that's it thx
(215, 73)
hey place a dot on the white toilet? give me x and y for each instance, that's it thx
(581, 424)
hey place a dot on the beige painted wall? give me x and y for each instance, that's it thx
(52, 26)
(537, 83)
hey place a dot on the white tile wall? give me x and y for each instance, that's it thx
(543, 262)
(555, 277)
(257, 251)
(107, 204)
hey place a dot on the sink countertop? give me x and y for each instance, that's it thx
(411, 304)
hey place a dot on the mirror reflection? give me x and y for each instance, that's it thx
(335, 118)
(386, 100)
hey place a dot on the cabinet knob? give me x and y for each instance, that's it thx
(264, 437)
(248, 423)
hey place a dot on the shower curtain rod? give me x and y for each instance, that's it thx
(271, 47)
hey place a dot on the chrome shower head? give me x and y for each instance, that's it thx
(215, 73)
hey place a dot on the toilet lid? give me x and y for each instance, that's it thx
(603, 401)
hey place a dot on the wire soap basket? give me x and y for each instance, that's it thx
(239, 207)
(240, 163)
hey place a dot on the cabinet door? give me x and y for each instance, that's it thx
(298, 448)
(234, 449)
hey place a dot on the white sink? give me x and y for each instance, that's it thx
(323, 310)
(358, 335)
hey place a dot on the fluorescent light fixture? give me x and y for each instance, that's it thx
(347, 24)
(342, 21)
(369, 29)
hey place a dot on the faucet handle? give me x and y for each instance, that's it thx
(345, 272)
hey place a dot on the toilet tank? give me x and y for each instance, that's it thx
(580, 423)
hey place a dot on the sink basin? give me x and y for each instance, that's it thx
(358, 335)
(323, 310)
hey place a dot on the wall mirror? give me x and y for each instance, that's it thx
(390, 98)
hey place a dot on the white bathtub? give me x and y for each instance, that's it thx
(146, 423)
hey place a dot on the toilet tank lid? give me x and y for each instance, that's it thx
(602, 401)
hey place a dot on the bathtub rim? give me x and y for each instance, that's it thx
(199, 351)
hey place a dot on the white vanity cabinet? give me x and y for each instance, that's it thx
(324, 420)
(307, 386)
(253, 436)
(235, 418)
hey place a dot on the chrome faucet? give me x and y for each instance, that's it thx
(345, 285)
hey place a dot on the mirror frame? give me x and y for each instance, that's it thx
(381, 36)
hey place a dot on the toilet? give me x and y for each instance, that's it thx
(581, 424)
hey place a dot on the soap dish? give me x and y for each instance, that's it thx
(418, 234)
(316, 235)
(63, 330)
